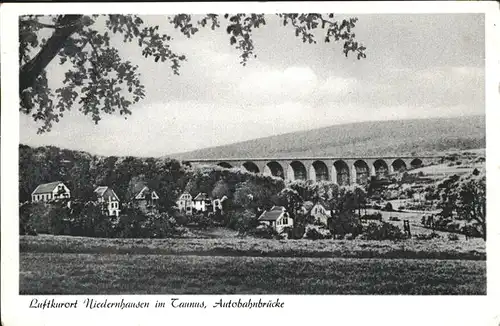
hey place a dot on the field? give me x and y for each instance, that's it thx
(165, 274)
(75, 265)
(440, 171)
(474, 249)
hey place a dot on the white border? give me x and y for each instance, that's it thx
(384, 310)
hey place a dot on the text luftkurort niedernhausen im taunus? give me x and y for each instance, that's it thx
(171, 303)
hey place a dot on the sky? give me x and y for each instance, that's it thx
(417, 66)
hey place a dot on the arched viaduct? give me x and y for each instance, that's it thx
(342, 171)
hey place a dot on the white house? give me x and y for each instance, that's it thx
(202, 202)
(50, 191)
(277, 217)
(185, 203)
(109, 199)
(320, 213)
(144, 198)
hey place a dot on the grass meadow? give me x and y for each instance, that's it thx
(49, 273)
(78, 265)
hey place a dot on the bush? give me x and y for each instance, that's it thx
(296, 232)
(345, 223)
(265, 232)
(151, 225)
(452, 237)
(42, 217)
(243, 221)
(201, 220)
(25, 223)
(383, 231)
(427, 236)
(181, 218)
(388, 207)
(314, 233)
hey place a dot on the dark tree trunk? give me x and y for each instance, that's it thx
(32, 69)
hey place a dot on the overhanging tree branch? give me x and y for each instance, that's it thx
(32, 69)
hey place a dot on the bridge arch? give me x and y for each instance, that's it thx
(224, 165)
(416, 163)
(398, 165)
(343, 175)
(275, 169)
(381, 169)
(297, 170)
(362, 172)
(320, 171)
(251, 167)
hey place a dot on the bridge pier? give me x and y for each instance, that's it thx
(333, 172)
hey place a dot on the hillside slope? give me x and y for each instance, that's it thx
(398, 137)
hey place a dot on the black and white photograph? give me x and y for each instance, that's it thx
(247, 153)
(252, 154)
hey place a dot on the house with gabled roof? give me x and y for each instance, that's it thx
(143, 198)
(277, 217)
(50, 191)
(108, 199)
(317, 211)
(202, 202)
(185, 203)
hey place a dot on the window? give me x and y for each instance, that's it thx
(285, 218)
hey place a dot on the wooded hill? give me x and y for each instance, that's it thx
(398, 137)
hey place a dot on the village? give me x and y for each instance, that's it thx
(403, 205)
(146, 200)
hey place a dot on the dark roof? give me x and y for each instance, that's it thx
(201, 196)
(136, 187)
(46, 187)
(106, 192)
(273, 214)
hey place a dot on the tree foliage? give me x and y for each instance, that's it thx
(83, 172)
(98, 80)
(462, 198)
